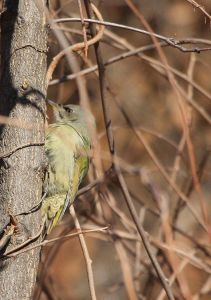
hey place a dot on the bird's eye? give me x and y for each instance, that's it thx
(68, 109)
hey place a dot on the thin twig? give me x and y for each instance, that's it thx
(155, 64)
(143, 235)
(75, 47)
(16, 251)
(184, 117)
(83, 27)
(126, 270)
(86, 255)
(180, 268)
(160, 167)
(200, 7)
(123, 186)
(170, 41)
(177, 160)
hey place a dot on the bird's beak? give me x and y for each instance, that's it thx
(52, 104)
(52, 110)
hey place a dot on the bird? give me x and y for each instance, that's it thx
(67, 148)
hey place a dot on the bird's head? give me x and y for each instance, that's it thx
(70, 113)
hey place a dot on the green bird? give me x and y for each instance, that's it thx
(67, 146)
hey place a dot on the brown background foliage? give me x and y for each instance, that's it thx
(151, 103)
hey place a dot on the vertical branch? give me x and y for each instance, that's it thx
(102, 81)
(184, 117)
(126, 270)
(86, 254)
(83, 27)
(23, 68)
(177, 160)
(120, 177)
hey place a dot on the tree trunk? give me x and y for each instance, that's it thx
(22, 95)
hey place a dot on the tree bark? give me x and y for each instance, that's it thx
(22, 159)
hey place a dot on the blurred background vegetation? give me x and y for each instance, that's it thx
(176, 130)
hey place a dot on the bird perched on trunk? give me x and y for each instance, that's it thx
(67, 148)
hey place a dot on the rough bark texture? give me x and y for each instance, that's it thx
(23, 69)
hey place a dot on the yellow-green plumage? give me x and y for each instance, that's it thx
(67, 148)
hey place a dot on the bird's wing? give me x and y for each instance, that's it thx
(81, 165)
(54, 208)
(58, 204)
